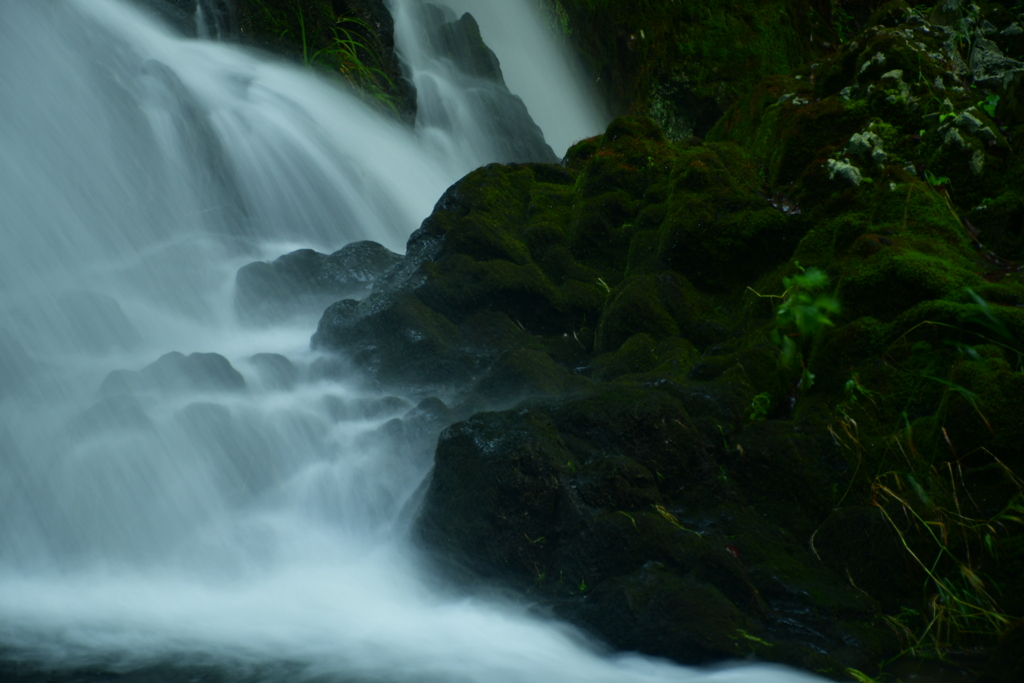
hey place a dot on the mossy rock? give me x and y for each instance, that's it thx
(895, 279)
(641, 355)
(611, 507)
(306, 31)
(980, 412)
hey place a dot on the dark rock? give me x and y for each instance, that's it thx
(179, 14)
(366, 409)
(1007, 662)
(613, 509)
(397, 339)
(510, 130)
(660, 611)
(460, 41)
(862, 544)
(455, 311)
(275, 370)
(307, 31)
(306, 281)
(175, 372)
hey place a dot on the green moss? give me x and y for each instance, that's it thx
(641, 357)
(460, 285)
(719, 229)
(634, 307)
(981, 410)
(894, 279)
(682, 63)
(522, 373)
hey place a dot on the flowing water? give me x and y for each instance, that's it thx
(205, 533)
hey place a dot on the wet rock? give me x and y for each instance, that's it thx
(305, 281)
(415, 433)
(276, 371)
(990, 67)
(460, 40)
(176, 372)
(613, 509)
(366, 409)
(180, 14)
(511, 132)
(306, 31)
(844, 170)
(466, 292)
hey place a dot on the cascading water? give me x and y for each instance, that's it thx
(561, 101)
(248, 530)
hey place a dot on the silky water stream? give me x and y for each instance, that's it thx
(200, 533)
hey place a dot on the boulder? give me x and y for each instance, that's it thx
(275, 371)
(175, 372)
(507, 127)
(618, 511)
(305, 282)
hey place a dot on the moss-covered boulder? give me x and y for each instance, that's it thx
(306, 281)
(620, 510)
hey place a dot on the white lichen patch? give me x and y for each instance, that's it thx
(954, 139)
(968, 121)
(868, 146)
(844, 170)
(977, 162)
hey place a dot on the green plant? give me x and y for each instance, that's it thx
(344, 54)
(807, 309)
(934, 180)
(558, 18)
(860, 676)
(985, 327)
(760, 405)
(997, 332)
(960, 608)
(989, 105)
(843, 23)
(853, 391)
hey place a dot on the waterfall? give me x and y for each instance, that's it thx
(255, 528)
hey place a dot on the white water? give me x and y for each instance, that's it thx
(260, 532)
(560, 99)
